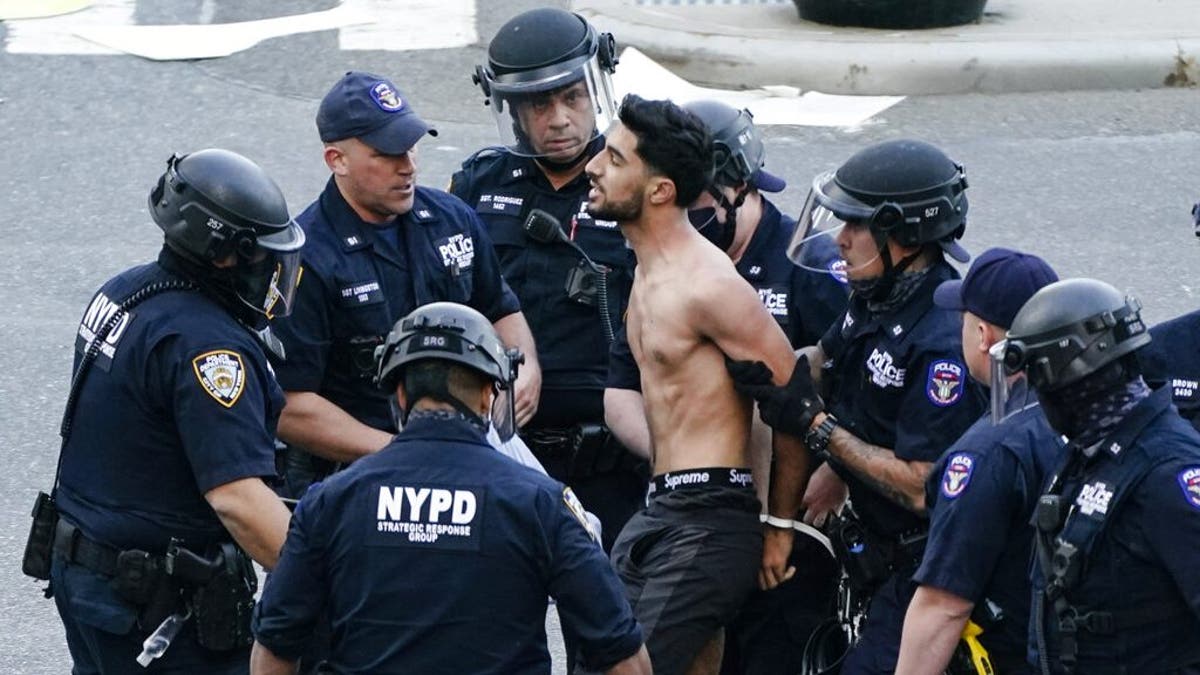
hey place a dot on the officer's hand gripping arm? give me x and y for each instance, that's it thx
(790, 408)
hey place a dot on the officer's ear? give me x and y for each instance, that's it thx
(487, 397)
(989, 334)
(335, 159)
(401, 395)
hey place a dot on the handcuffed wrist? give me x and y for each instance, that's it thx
(777, 522)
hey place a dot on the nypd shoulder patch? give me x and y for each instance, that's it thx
(1189, 482)
(957, 475)
(945, 384)
(577, 510)
(221, 374)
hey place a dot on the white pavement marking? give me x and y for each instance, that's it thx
(55, 35)
(640, 74)
(412, 24)
(171, 43)
(399, 25)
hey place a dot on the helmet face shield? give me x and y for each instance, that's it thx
(553, 112)
(280, 291)
(827, 211)
(504, 412)
(998, 375)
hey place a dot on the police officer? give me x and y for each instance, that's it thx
(379, 246)
(896, 393)
(734, 215)
(437, 553)
(170, 423)
(1115, 584)
(1172, 359)
(547, 85)
(982, 491)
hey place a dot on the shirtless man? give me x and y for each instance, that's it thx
(690, 557)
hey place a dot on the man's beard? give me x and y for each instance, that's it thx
(621, 212)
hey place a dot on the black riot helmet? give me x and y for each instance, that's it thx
(448, 331)
(1071, 329)
(224, 214)
(542, 54)
(738, 159)
(738, 150)
(905, 190)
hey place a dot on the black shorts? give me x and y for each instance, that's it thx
(688, 561)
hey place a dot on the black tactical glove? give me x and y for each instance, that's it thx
(790, 408)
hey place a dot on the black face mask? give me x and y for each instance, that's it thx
(706, 223)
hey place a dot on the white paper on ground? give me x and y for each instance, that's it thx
(169, 43)
(781, 104)
(411, 24)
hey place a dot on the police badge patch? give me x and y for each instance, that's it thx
(945, 385)
(386, 98)
(576, 509)
(1189, 482)
(221, 374)
(957, 475)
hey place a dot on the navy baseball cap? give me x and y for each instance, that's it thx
(370, 108)
(996, 287)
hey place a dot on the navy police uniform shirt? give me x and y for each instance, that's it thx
(502, 188)
(803, 301)
(359, 279)
(981, 495)
(897, 380)
(1143, 566)
(1173, 359)
(180, 401)
(436, 555)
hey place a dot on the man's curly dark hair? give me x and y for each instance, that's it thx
(672, 142)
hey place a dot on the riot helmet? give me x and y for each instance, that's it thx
(224, 214)
(907, 191)
(1070, 330)
(738, 159)
(448, 331)
(548, 86)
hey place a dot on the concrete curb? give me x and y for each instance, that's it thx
(755, 45)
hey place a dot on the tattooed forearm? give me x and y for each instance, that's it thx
(900, 481)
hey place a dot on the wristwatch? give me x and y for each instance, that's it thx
(817, 439)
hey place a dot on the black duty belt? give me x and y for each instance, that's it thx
(77, 549)
(690, 478)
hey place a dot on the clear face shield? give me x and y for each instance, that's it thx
(828, 211)
(267, 284)
(999, 381)
(552, 113)
(504, 403)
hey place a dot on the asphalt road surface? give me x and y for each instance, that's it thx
(1099, 183)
